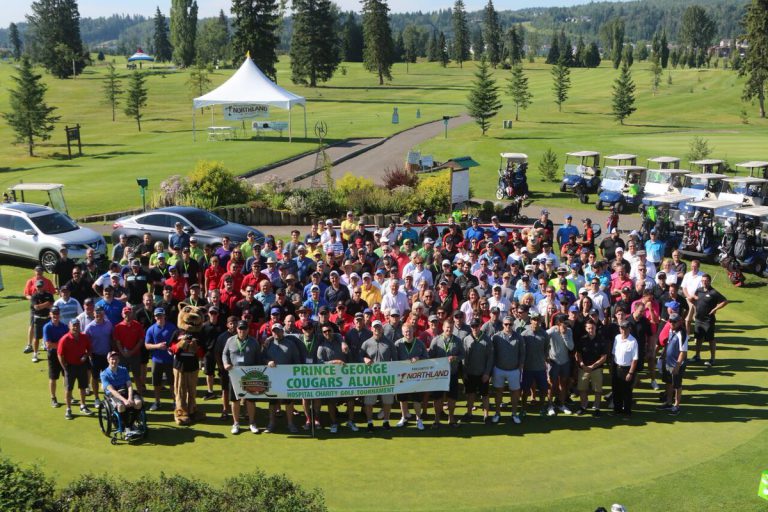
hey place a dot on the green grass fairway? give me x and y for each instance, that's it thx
(699, 102)
(710, 457)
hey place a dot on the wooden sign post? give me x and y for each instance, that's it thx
(73, 133)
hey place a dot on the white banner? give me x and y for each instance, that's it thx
(236, 112)
(459, 186)
(333, 381)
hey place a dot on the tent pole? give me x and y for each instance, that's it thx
(194, 135)
(305, 121)
(290, 135)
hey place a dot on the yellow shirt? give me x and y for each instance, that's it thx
(347, 227)
(372, 295)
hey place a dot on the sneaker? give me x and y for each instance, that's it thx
(352, 426)
(370, 428)
(254, 428)
(85, 410)
(581, 411)
(674, 411)
(96, 403)
(516, 419)
(419, 424)
(654, 385)
(55, 403)
(403, 422)
(292, 429)
(210, 395)
(551, 411)
(565, 410)
(408, 416)
(544, 411)
(386, 425)
(496, 418)
(708, 364)
(334, 428)
(235, 429)
(224, 416)
(35, 359)
(28, 349)
(307, 425)
(88, 391)
(155, 406)
(665, 407)
(270, 429)
(380, 415)
(695, 359)
(466, 418)
(68, 414)
(596, 412)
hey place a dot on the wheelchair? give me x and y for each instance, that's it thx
(129, 426)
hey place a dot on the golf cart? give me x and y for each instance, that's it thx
(54, 192)
(701, 230)
(746, 240)
(701, 187)
(581, 178)
(660, 213)
(662, 182)
(664, 162)
(748, 190)
(757, 168)
(622, 187)
(709, 165)
(513, 181)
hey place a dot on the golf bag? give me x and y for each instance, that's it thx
(732, 266)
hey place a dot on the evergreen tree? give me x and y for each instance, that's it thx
(566, 50)
(54, 26)
(514, 45)
(352, 39)
(492, 34)
(315, 49)
(398, 46)
(553, 57)
(642, 51)
(112, 87)
(163, 50)
(30, 118)
(378, 51)
(484, 100)
(561, 77)
(617, 42)
(137, 97)
(461, 40)
(255, 24)
(478, 44)
(627, 55)
(198, 82)
(656, 46)
(623, 95)
(754, 66)
(664, 50)
(442, 46)
(213, 40)
(592, 58)
(518, 89)
(697, 28)
(433, 48)
(675, 57)
(15, 39)
(183, 31)
(655, 75)
(581, 53)
(410, 45)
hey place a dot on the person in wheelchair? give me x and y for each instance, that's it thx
(118, 390)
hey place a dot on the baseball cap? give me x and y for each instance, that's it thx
(614, 230)
(242, 324)
(534, 314)
(495, 309)
(112, 354)
(574, 308)
(619, 249)
(161, 255)
(624, 324)
(476, 322)
(568, 216)
(359, 314)
(575, 264)
(277, 325)
(55, 309)
(626, 289)
(582, 290)
(99, 309)
(428, 241)
(376, 323)
(275, 311)
(433, 318)
(159, 311)
(672, 305)
(674, 317)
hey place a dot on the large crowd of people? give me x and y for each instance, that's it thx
(555, 320)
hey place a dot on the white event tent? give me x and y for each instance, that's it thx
(249, 85)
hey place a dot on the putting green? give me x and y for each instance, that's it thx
(715, 448)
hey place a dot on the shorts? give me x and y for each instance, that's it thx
(76, 373)
(704, 330)
(411, 397)
(38, 323)
(54, 366)
(675, 380)
(160, 369)
(124, 392)
(512, 377)
(537, 376)
(595, 377)
(559, 370)
(224, 378)
(474, 384)
(453, 390)
(209, 363)
(385, 399)
(144, 355)
(31, 317)
(98, 364)
(133, 364)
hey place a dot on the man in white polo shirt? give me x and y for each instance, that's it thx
(691, 283)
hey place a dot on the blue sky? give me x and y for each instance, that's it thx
(15, 12)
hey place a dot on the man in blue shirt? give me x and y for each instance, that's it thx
(158, 341)
(113, 308)
(52, 333)
(100, 332)
(118, 389)
(178, 238)
(475, 231)
(654, 248)
(566, 230)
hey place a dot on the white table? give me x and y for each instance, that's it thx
(219, 133)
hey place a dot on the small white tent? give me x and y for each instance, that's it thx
(250, 85)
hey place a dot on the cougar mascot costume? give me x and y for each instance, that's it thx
(187, 353)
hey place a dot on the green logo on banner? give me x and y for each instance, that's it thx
(762, 491)
(255, 382)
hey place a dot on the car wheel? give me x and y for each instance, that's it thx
(562, 187)
(133, 242)
(599, 205)
(583, 198)
(621, 207)
(48, 260)
(759, 268)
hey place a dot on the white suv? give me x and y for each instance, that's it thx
(35, 232)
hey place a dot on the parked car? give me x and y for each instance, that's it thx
(35, 232)
(207, 227)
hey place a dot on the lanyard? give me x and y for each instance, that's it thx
(242, 345)
(413, 345)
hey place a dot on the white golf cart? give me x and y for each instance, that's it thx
(664, 162)
(622, 187)
(708, 165)
(513, 180)
(32, 192)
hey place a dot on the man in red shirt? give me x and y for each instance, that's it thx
(73, 352)
(178, 283)
(237, 277)
(342, 319)
(30, 288)
(129, 336)
(229, 296)
(254, 278)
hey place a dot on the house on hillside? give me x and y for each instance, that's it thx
(726, 47)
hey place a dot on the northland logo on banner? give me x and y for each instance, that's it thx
(332, 381)
(234, 112)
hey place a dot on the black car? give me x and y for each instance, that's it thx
(207, 227)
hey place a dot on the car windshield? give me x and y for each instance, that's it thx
(697, 183)
(659, 177)
(54, 223)
(613, 174)
(746, 189)
(574, 169)
(204, 220)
